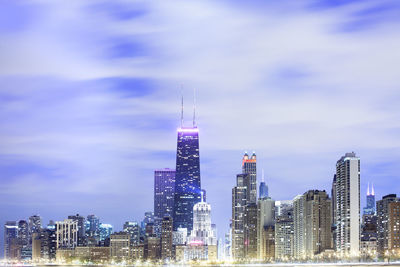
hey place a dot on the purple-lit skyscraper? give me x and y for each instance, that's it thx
(187, 178)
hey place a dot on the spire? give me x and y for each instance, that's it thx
(194, 107)
(368, 189)
(202, 193)
(262, 177)
(373, 191)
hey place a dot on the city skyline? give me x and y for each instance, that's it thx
(88, 114)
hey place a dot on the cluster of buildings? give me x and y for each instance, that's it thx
(314, 225)
(179, 229)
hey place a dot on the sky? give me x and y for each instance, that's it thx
(90, 99)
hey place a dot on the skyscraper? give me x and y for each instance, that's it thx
(263, 187)
(24, 240)
(266, 228)
(370, 208)
(312, 223)
(35, 224)
(187, 178)
(105, 230)
(10, 239)
(239, 202)
(164, 188)
(133, 229)
(249, 166)
(348, 205)
(383, 222)
(81, 228)
(67, 233)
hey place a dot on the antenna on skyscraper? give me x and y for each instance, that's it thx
(368, 189)
(194, 107)
(181, 106)
(373, 191)
(262, 176)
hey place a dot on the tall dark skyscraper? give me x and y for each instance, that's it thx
(164, 188)
(263, 188)
(187, 179)
(249, 166)
(370, 208)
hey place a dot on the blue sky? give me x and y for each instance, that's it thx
(90, 98)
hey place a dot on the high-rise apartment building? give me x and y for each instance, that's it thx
(394, 227)
(250, 231)
(284, 238)
(347, 200)
(67, 234)
(120, 245)
(382, 207)
(35, 224)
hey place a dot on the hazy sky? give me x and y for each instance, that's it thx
(90, 99)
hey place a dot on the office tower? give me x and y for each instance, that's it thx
(120, 246)
(105, 230)
(166, 238)
(249, 166)
(187, 178)
(250, 231)
(263, 187)
(11, 250)
(81, 228)
(394, 227)
(370, 208)
(24, 240)
(202, 232)
(284, 237)
(44, 245)
(266, 228)
(348, 205)
(148, 219)
(67, 234)
(152, 248)
(164, 188)
(382, 207)
(239, 202)
(35, 224)
(93, 226)
(133, 229)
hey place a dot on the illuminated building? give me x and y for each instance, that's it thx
(92, 230)
(250, 231)
(35, 224)
(284, 230)
(334, 212)
(187, 177)
(369, 236)
(249, 166)
(11, 250)
(81, 228)
(44, 245)
(312, 224)
(67, 234)
(370, 208)
(239, 202)
(179, 236)
(133, 229)
(347, 200)
(120, 245)
(266, 228)
(164, 188)
(382, 207)
(105, 230)
(394, 227)
(24, 240)
(166, 238)
(263, 190)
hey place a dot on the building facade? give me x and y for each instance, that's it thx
(382, 207)
(67, 234)
(347, 200)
